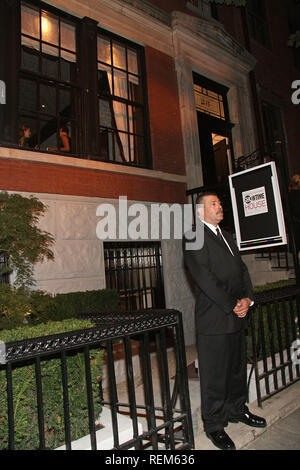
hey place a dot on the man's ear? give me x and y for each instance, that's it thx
(200, 211)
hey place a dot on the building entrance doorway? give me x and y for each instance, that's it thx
(214, 129)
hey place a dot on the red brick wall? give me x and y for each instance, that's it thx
(164, 113)
(18, 175)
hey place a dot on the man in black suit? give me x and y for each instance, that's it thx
(223, 292)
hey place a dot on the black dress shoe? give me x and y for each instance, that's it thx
(250, 419)
(221, 440)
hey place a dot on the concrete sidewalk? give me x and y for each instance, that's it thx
(283, 435)
(274, 410)
(281, 432)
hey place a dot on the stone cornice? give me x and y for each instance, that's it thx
(214, 36)
(149, 9)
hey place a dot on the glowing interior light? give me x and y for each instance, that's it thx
(45, 25)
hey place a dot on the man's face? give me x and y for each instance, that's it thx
(212, 211)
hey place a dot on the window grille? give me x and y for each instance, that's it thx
(135, 270)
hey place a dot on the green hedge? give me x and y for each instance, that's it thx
(19, 306)
(76, 303)
(25, 391)
(274, 285)
(41, 313)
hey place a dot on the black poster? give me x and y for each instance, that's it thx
(257, 207)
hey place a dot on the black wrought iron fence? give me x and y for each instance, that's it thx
(280, 257)
(274, 340)
(159, 417)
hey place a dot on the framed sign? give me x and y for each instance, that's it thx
(257, 207)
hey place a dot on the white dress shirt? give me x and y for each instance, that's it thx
(214, 229)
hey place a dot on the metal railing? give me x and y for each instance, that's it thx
(274, 340)
(280, 257)
(165, 413)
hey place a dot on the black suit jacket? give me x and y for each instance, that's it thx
(220, 280)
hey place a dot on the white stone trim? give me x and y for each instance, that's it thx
(36, 156)
(204, 47)
(146, 25)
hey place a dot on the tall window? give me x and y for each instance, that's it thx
(48, 96)
(71, 86)
(121, 101)
(258, 22)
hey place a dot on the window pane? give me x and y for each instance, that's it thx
(50, 61)
(104, 80)
(104, 54)
(120, 84)
(132, 148)
(49, 28)
(30, 23)
(65, 103)
(132, 62)
(67, 36)
(136, 120)
(68, 67)
(48, 100)
(48, 133)
(135, 89)
(124, 145)
(50, 50)
(29, 59)
(105, 115)
(120, 111)
(119, 154)
(119, 56)
(30, 43)
(27, 96)
(68, 56)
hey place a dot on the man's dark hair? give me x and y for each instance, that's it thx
(200, 196)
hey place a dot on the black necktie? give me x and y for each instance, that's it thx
(219, 235)
(221, 238)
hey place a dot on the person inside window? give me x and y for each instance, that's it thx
(64, 141)
(24, 135)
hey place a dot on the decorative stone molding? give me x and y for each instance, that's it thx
(214, 35)
(203, 46)
(150, 10)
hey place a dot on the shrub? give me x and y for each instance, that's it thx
(21, 240)
(274, 285)
(20, 306)
(14, 306)
(73, 304)
(25, 391)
